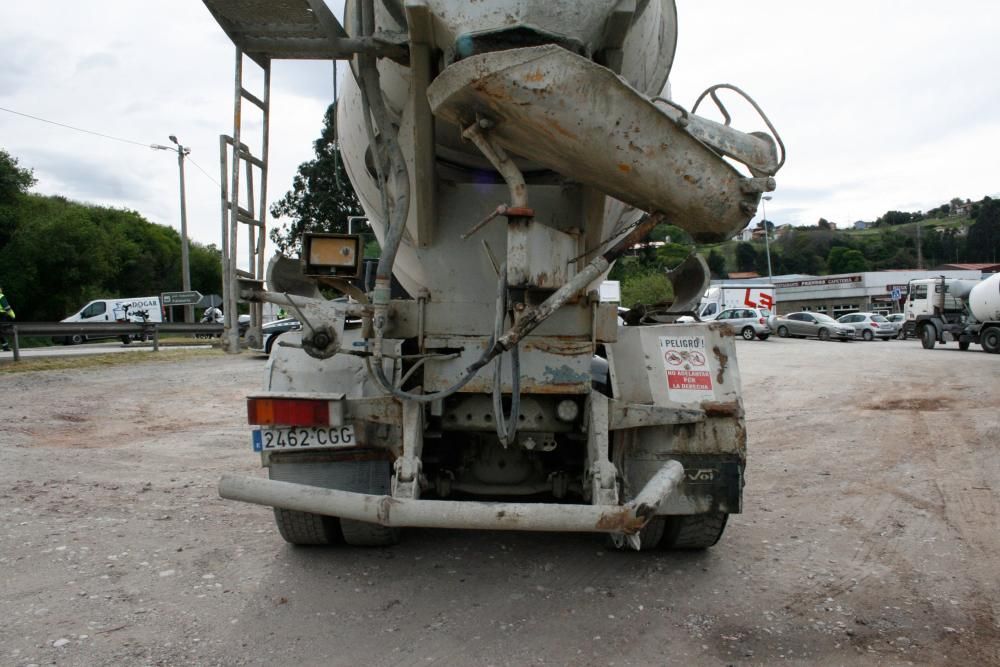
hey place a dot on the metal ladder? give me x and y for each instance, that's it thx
(251, 215)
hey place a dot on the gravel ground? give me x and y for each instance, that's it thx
(870, 535)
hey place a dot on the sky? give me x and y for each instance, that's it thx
(882, 104)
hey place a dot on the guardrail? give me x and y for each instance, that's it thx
(13, 330)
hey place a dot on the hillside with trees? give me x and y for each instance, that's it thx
(955, 232)
(56, 254)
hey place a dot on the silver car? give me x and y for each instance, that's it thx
(747, 322)
(899, 319)
(870, 326)
(818, 325)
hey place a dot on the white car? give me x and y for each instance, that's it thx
(870, 326)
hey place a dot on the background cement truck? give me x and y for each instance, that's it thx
(505, 153)
(948, 309)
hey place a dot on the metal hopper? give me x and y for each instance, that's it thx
(582, 120)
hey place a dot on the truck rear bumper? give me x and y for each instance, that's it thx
(398, 512)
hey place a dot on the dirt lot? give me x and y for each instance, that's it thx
(871, 535)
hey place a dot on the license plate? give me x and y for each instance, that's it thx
(298, 437)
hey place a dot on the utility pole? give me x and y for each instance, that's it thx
(767, 233)
(185, 262)
(920, 249)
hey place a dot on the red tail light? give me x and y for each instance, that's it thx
(875, 324)
(762, 321)
(288, 412)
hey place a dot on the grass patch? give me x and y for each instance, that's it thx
(101, 360)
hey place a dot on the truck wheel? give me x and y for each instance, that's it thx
(782, 332)
(824, 334)
(867, 334)
(76, 339)
(694, 531)
(990, 340)
(928, 336)
(963, 345)
(364, 534)
(305, 529)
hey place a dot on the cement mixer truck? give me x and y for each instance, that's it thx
(505, 153)
(945, 310)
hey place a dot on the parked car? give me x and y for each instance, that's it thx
(899, 319)
(801, 325)
(271, 331)
(747, 322)
(870, 326)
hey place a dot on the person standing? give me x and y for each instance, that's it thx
(6, 315)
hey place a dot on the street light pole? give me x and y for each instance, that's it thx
(767, 244)
(185, 262)
(185, 259)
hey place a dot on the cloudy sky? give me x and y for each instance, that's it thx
(883, 104)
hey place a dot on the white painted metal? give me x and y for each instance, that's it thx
(984, 299)
(407, 513)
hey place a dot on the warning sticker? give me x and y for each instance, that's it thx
(689, 377)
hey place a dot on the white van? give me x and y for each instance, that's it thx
(722, 297)
(136, 309)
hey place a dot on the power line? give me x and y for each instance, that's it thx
(78, 129)
(207, 175)
(105, 136)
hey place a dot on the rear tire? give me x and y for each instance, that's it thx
(76, 339)
(364, 534)
(928, 336)
(748, 333)
(824, 334)
(694, 531)
(782, 332)
(867, 334)
(305, 529)
(990, 340)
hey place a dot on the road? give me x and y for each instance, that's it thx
(870, 535)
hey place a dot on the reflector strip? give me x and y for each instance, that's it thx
(288, 412)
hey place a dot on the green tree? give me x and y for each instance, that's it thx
(669, 256)
(321, 198)
(646, 288)
(983, 243)
(716, 264)
(846, 260)
(14, 180)
(746, 256)
(893, 218)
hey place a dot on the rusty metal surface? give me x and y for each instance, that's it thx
(624, 415)
(639, 37)
(579, 119)
(642, 365)
(571, 323)
(549, 365)
(388, 511)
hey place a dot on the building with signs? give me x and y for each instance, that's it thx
(871, 291)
